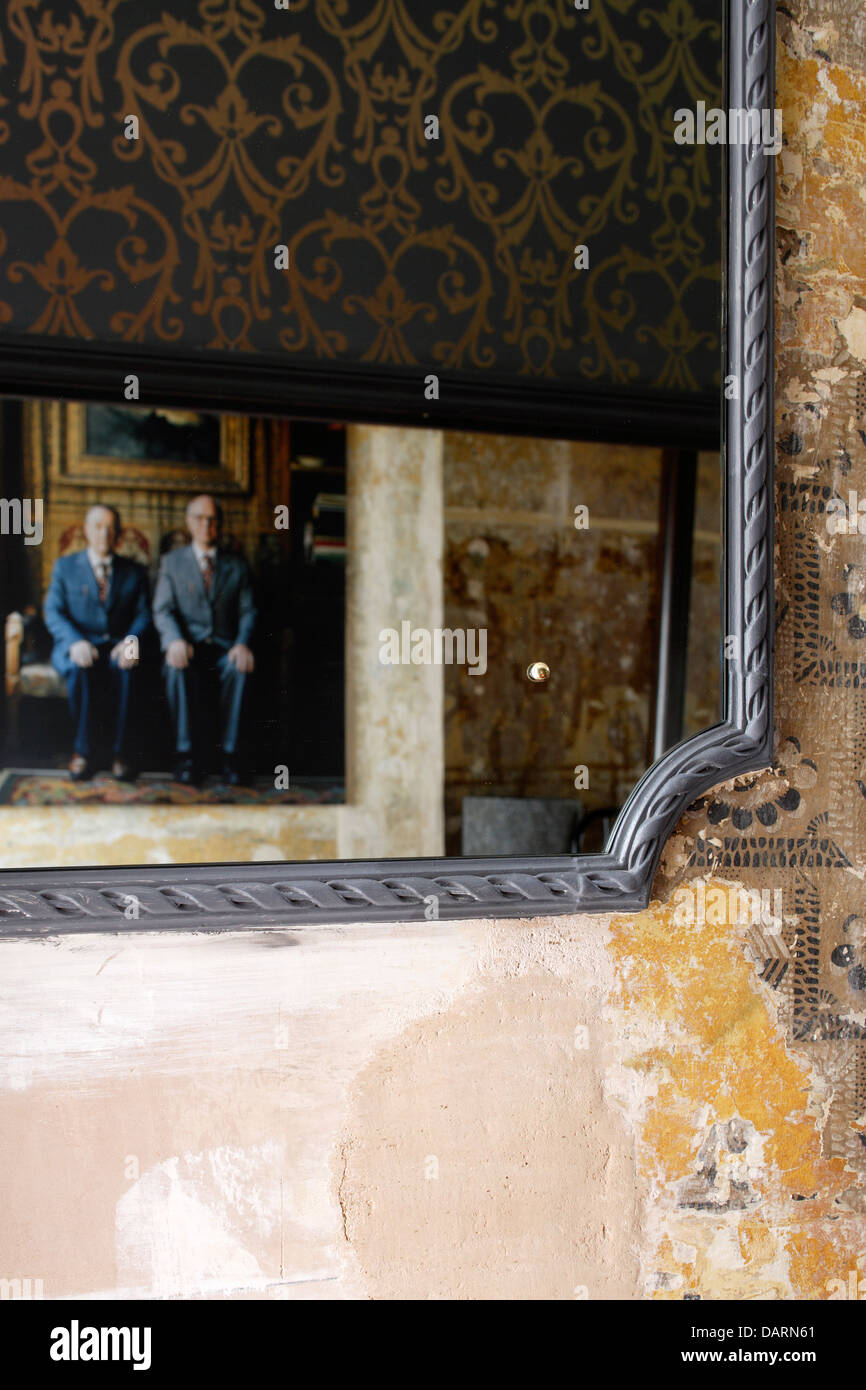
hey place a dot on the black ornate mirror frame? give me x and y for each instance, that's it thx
(222, 896)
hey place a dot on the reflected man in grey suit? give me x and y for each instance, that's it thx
(204, 612)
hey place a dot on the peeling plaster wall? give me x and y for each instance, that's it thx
(639, 1106)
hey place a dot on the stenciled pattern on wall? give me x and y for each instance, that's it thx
(799, 829)
(306, 127)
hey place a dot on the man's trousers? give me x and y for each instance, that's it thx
(100, 700)
(209, 682)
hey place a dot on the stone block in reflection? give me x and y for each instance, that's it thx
(519, 825)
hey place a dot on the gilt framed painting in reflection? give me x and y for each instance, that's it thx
(159, 446)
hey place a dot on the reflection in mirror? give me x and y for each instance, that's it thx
(461, 643)
(270, 636)
(555, 557)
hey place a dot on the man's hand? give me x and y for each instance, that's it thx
(83, 653)
(178, 654)
(241, 657)
(122, 655)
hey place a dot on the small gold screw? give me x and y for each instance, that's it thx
(539, 672)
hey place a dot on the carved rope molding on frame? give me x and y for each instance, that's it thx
(258, 896)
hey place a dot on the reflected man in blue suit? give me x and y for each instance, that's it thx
(97, 609)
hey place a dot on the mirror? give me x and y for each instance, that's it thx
(362, 456)
(502, 662)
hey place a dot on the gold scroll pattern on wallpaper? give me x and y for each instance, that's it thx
(306, 128)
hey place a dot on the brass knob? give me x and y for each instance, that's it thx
(539, 672)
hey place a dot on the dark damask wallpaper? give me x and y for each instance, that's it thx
(260, 126)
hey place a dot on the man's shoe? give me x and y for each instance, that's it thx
(187, 773)
(122, 771)
(79, 768)
(230, 775)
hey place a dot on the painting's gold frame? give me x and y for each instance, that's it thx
(69, 461)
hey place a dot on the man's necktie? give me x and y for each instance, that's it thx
(207, 572)
(103, 580)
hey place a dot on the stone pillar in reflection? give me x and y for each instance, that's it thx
(394, 712)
